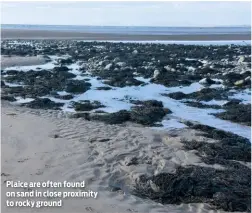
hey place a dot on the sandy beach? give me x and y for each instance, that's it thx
(32, 152)
(46, 34)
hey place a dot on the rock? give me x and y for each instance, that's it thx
(101, 63)
(64, 97)
(112, 118)
(208, 94)
(248, 78)
(148, 113)
(241, 59)
(121, 64)
(12, 72)
(122, 82)
(86, 105)
(228, 202)
(135, 52)
(2, 84)
(167, 67)
(198, 184)
(239, 83)
(245, 73)
(232, 102)
(43, 103)
(232, 77)
(223, 188)
(201, 105)
(99, 111)
(103, 88)
(205, 94)
(176, 95)
(61, 68)
(116, 60)
(66, 61)
(155, 74)
(8, 98)
(131, 161)
(207, 81)
(108, 67)
(238, 113)
(206, 70)
(77, 86)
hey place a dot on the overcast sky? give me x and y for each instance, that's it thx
(127, 13)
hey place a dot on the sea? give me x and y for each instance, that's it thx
(136, 30)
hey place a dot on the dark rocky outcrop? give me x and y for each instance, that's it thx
(64, 97)
(148, 113)
(201, 105)
(205, 94)
(43, 103)
(86, 105)
(228, 189)
(8, 98)
(224, 189)
(112, 118)
(77, 86)
(61, 68)
(238, 113)
(176, 95)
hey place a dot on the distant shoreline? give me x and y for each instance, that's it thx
(51, 34)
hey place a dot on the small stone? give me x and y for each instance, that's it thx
(207, 81)
(248, 78)
(156, 73)
(241, 59)
(108, 67)
(135, 52)
(239, 83)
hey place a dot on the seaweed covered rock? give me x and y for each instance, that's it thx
(201, 105)
(64, 97)
(238, 113)
(2, 84)
(86, 105)
(8, 98)
(229, 147)
(112, 118)
(176, 95)
(208, 81)
(77, 86)
(61, 68)
(148, 113)
(43, 103)
(226, 189)
(205, 94)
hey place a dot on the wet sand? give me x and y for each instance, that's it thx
(44, 34)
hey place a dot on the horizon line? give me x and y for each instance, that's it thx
(245, 25)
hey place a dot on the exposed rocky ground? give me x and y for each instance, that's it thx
(217, 68)
(149, 84)
(228, 189)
